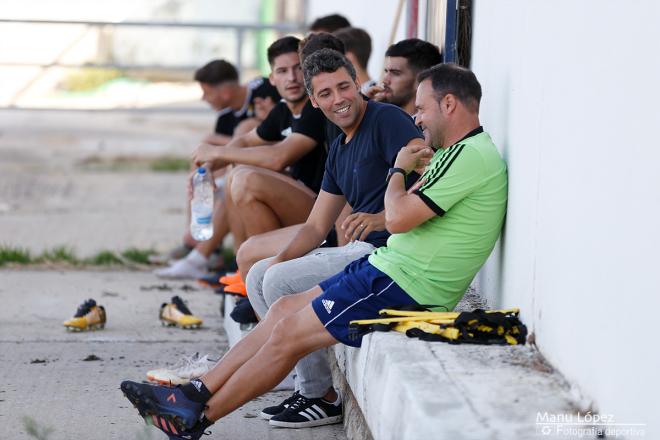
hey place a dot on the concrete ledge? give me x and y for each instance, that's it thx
(410, 389)
(235, 331)
(407, 389)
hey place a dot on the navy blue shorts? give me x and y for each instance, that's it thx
(359, 292)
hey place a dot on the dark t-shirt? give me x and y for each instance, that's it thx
(229, 119)
(280, 123)
(358, 169)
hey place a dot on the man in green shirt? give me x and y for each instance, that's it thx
(443, 230)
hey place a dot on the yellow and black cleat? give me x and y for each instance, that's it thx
(176, 313)
(89, 316)
(476, 327)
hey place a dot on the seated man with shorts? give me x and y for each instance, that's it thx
(443, 230)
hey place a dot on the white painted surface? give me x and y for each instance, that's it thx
(409, 390)
(571, 98)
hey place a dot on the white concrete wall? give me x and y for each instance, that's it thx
(374, 16)
(571, 97)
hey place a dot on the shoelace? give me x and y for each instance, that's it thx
(300, 402)
(84, 308)
(178, 302)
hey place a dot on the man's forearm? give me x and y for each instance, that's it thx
(394, 195)
(262, 156)
(307, 239)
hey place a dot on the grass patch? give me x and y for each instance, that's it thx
(170, 164)
(10, 254)
(66, 255)
(33, 429)
(140, 256)
(60, 254)
(104, 258)
(166, 164)
(88, 79)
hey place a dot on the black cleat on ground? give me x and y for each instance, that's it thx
(305, 413)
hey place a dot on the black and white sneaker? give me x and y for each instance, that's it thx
(305, 413)
(268, 413)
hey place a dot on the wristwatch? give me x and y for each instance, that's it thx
(393, 171)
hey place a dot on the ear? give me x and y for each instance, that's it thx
(449, 103)
(270, 79)
(314, 103)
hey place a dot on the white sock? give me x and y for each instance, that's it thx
(196, 258)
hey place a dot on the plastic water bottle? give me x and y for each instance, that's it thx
(201, 206)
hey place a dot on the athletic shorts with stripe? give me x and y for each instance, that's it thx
(359, 292)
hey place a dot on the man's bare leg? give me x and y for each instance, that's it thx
(253, 341)
(265, 245)
(267, 200)
(233, 219)
(290, 330)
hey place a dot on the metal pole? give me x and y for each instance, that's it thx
(451, 33)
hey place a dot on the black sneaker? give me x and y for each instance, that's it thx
(268, 413)
(305, 413)
(243, 312)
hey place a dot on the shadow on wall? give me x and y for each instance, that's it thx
(491, 279)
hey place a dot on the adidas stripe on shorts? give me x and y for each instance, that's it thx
(360, 291)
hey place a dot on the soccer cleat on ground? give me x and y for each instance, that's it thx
(189, 367)
(177, 314)
(167, 408)
(89, 316)
(305, 413)
(271, 411)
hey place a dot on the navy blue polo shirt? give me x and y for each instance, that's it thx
(358, 169)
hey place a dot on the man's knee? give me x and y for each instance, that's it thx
(282, 309)
(246, 253)
(245, 185)
(274, 283)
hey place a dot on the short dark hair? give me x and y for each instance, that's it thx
(454, 79)
(419, 53)
(325, 61)
(216, 72)
(280, 47)
(356, 41)
(322, 40)
(329, 23)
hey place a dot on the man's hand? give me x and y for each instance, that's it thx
(376, 93)
(190, 184)
(206, 153)
(359, 225)
(413, 157)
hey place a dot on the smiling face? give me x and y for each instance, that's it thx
(287, 77)
(398, 82)
(430, 117)
(338, 97)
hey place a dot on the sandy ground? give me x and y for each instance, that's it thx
(46, 199)
(50, 197)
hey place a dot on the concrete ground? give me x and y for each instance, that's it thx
(46, 376)
(49, 198)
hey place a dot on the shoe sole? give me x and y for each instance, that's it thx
(266, 416)
(166, 323)
(92, 328)
(308, 424)
(168, 383)
(147, 407)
